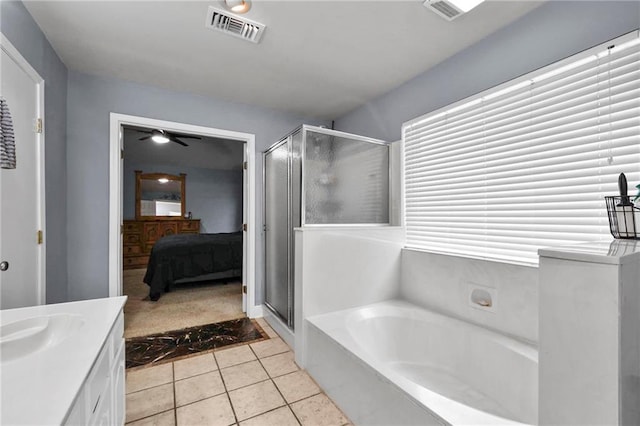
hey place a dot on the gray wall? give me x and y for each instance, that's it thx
(213, 196)
(553, 31)
(90, 99)
(25, 35)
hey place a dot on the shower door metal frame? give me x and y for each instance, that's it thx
(286, 140)
(330, 132)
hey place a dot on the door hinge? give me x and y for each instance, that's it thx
(244, 227)
(40, 237)
(245, 165)
(244, 289)
(122, 153)
(121, 229)
(38, 125)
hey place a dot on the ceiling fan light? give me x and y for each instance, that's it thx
(158, 136)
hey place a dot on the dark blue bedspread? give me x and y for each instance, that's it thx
(181, 256)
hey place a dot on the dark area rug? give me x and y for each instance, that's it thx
(159, 348)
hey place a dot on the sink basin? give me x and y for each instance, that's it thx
(21, 338)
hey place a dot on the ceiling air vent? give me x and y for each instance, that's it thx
(234, 25)
(451, 9)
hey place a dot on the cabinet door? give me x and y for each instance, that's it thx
(131, 238)
(189, 225)
(168, 228)
(132, 227)
(130, 249)
(150, 233)
(103, 414)
(78, 415)
(97, 385)
(136, 262)
(118, 377)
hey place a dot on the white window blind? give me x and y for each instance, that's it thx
(526, 164)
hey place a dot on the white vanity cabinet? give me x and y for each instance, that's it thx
(100, 401)
(68, 360)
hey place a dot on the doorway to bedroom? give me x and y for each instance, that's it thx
(184, 204)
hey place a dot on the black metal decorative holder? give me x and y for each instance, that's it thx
(624, 218)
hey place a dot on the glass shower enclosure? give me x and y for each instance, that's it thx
(317, 177)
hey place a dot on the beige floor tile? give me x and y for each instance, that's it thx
(149, 377)
(270, 332)
(168, 418)
(267, 328)
(318, 411)
(263, 322)
(198, 387)
(255, 399)
(269, 347)
(195, 365)
(296, 386)
(214, 411)
(280, 364)
(234, 356)
(243, 375)
(280, 417)
(149, 401)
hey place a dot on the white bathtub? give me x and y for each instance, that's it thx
(453, 371)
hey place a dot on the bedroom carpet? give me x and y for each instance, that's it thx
(187, 306)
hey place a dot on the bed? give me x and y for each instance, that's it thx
(182, 258)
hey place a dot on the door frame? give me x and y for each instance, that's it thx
(116, 121)
(15, 55)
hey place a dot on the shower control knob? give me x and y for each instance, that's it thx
(4, 265)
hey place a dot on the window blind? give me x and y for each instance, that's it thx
(527, 164)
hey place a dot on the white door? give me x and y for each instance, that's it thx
(21, 201)
(245, 221)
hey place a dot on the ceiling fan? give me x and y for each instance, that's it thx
(162, 136)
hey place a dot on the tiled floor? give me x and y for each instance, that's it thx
(257, 384)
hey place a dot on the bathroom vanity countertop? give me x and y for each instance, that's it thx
(615, 252)
(40, 388)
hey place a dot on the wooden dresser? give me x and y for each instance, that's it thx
(139, 236)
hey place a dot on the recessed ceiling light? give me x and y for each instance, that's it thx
(238, 6)
(158, 136)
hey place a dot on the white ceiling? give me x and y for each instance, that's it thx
(205, 153)
(317, 58)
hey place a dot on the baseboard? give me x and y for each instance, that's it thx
(256, 311)
(280, 327)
